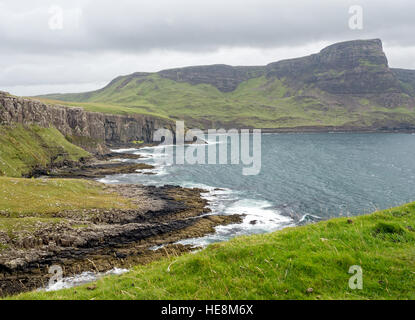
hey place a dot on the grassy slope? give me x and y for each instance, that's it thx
(282, 265)
(44, 197)
(22, 148)
(28, 204)
(258, 102)
(24, 203)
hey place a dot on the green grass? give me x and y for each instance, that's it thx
(105, 108)
(23, 148)
(259, 102)
(27, 205)
(281, 265)
(370, 65)
(21, 197)
(14, 226)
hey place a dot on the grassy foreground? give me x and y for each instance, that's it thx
(281, 265)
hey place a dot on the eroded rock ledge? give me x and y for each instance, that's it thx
(90, 169)
(102, 239)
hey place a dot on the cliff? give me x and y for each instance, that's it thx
(347, 85)
(407, 80)
(353, 67)
(90, 130)
(225, 78)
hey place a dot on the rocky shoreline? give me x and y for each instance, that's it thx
(99, 240)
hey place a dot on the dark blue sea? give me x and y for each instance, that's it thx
(304, 178)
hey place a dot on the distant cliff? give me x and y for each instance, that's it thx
(354, 67)
(349, 69)
(90, 130)
(407, 80)
(345, 86)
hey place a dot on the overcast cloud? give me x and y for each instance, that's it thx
(102, 39)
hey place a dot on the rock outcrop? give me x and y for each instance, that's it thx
(347, 85)
(407, 80)
(353, 67)
(90, 130)
(225, 78)
(100, 240)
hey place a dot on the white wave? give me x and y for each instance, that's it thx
(309, 217)
(157, 147)
(108, 180)
(259, 216)
(150, 156)
(120, 160)
(81, 279)
(123, 150)
(155, 248)
(158, 171)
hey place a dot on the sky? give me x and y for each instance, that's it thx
(61, 46)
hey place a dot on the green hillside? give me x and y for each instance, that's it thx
(345, 85)
(309, 262)
(258, 102)
(26, 147)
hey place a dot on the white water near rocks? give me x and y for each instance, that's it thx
(81, 279)
(304, 178)
(259, 216)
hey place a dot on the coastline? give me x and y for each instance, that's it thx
(305, 262)
(131, 239)
(101, 240)
(111, 239)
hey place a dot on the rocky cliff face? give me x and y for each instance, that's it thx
(353, 67)
(407, 80)
(347, 84)
(89, 129)
(225, 78)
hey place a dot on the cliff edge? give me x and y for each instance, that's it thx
(90, 130)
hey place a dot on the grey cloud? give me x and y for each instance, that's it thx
(100, 38)
(128, 25)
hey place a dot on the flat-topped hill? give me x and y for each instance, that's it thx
(348, 86)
